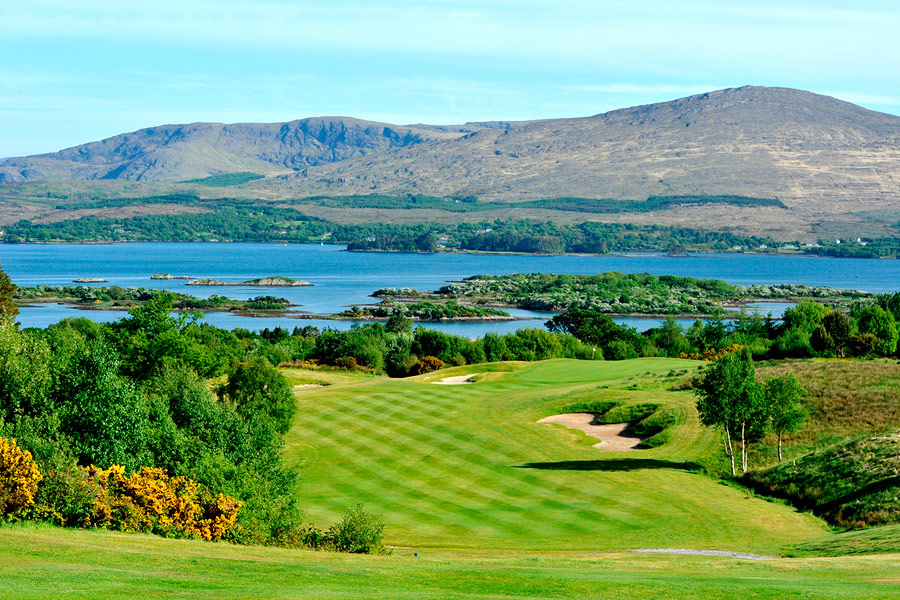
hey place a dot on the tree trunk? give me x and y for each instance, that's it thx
(779, 447)
(744, 446)
(729, 449)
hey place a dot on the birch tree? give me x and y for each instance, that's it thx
(730, 399)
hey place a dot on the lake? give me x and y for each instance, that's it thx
(343, 278)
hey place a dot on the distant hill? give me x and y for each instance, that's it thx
(820, 156)
(197, 150)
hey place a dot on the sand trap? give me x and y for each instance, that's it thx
(458, 380)
(612, 437)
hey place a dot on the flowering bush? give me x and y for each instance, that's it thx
(711, 354)
(150, 500)
(19, 478)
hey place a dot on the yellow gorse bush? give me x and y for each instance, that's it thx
(19, 477)
(151, 500)
(711, 354)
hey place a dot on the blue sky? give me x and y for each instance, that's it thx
(74, 72)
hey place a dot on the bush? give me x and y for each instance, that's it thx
(150, 500)
(19, 478)
(358, 533)
(620, 350)
(427, 365)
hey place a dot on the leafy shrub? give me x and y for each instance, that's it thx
(619, 350)
(427, 365)
(358, 532)
(347, 363)
(19, 478)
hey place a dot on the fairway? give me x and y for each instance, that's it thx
(468, 466)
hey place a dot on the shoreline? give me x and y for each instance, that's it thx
(303, 316)
(628, 254)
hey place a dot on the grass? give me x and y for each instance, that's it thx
(41, 562)
(844, 398)
(469, 467)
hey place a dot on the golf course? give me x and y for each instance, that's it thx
(482, 501)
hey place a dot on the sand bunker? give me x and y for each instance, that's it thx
(612, 437)
(458, 380)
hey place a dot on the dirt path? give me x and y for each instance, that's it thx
(612, 437)
(458, 380)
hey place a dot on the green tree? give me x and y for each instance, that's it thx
(25, 374)
(786, 411)
(255, 387)
(730, 399)
(806, 316)
(837, 326)
(880, 323)
(8, 308)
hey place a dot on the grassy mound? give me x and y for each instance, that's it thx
(853, 484)
(877, 540)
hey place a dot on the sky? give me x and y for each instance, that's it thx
(74, 72)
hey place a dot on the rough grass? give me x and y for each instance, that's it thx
(853, 484)
(469, 466)
(845, 398)
(40, 563)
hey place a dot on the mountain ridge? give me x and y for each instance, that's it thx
(819, 155)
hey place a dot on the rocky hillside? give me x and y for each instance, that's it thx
(180, 152)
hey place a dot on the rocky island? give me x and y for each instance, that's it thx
(261, 282)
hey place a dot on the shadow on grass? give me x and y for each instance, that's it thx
(612, 464)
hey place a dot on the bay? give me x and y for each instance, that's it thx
(343, 278)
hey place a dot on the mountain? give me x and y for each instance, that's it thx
(179, 152)
(813, 152)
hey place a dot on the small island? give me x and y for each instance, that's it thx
(636, 294)
(88, 280)
(166, 276)
(424, 311)
(261, 282)
(119, 298)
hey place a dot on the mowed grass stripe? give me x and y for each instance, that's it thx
(445, 466)
(388, 442)
(431, 476)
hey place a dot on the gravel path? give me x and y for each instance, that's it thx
(703, 553)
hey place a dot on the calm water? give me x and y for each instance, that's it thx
(343, 278)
